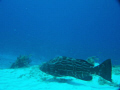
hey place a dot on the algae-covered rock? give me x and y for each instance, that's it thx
(116, 70)
(91, 60)
(22, 61)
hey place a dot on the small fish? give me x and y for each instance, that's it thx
(78, 68)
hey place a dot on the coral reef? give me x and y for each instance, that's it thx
(116, 70)
(22, 61)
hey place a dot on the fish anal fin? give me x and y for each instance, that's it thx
(85, 78)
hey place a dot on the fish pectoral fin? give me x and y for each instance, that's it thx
(86, 78)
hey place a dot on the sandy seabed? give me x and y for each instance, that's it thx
(32, 78)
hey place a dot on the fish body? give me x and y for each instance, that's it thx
(78, 68)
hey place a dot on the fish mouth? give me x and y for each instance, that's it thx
(44, 67)
(41, 68)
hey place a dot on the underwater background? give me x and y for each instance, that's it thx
(49, 28)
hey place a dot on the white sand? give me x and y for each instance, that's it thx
(33, 79)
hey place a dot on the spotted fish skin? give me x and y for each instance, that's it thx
(78, 68)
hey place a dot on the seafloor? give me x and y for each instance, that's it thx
(31, 78)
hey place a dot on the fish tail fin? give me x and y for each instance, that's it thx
(104, 70)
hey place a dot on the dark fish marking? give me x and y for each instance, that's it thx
(78, 68)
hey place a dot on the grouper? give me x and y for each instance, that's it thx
(78, 68)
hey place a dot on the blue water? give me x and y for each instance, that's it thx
(49, 28)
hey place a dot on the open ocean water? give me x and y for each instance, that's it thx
(49, 28)
(40, 30)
